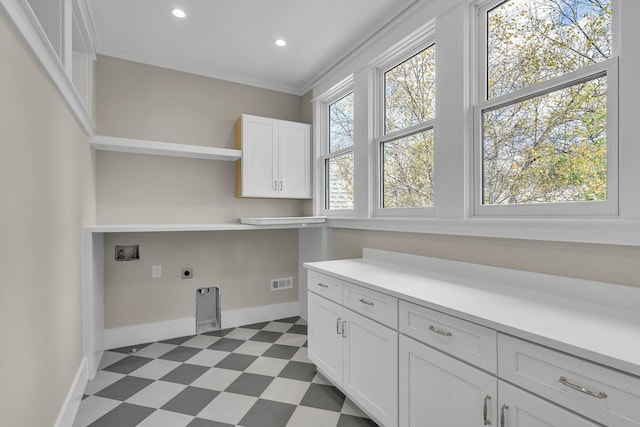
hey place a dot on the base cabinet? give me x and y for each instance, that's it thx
(358, 355)
(438, 390)
(407, 363)
(519, 408)
(325, 338)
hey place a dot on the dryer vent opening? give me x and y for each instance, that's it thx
(207, 309)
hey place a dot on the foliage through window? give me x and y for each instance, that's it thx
(339, 168)
(544, 118)
(406, 149)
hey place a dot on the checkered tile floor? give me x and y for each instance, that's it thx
(253, 376)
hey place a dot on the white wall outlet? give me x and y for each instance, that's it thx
(156, 271)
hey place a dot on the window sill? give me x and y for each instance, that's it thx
(594, 231)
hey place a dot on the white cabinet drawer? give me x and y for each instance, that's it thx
(467, 341)
(325, 285)
(599, 393)
(374, 305)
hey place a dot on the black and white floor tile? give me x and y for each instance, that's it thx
(252, 376)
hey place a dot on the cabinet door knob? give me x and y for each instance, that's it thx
(485, 410)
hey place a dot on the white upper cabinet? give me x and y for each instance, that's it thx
(276, 158)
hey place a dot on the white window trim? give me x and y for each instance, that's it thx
(606, 209)
(406, 49)
(20, 13)
(321, 134)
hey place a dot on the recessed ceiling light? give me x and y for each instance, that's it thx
(178, 13)
(280, 42)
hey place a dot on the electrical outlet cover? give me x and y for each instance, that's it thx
(156, 271)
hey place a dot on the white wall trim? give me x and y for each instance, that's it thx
(21, 15)
(247, 316)
(570, 230)
(69, 409)
(148, 332)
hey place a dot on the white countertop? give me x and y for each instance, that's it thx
(141, 228)
(593, 320)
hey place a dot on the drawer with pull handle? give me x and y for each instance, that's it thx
(377, 306)
(467, 341)
(597, 392)
(328, 286)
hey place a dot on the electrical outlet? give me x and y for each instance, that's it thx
(187, 273)
(156, 271)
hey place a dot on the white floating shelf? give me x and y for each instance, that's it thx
(140, 146)
(284, 220)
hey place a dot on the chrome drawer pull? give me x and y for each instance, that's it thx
(485, 410)
(322, 285)
(502, 410)
(439, 331)
(338, 323)
(364, 301)
(344, 329)
(599, 395)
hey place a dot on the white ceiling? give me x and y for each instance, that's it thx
(233, 39)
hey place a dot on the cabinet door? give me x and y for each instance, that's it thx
(371, 374)
(259, 161)
(438, 390)
(522, 409)
(325, 337)
(294, 160)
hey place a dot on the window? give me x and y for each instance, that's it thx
(546, 144)
(406, 141)
(339, 155)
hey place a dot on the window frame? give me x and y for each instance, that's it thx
(607, 68)
(334, 95)
(396, 56)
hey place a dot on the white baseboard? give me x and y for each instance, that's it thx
(247, 316)
(148, 332)
(69, 409)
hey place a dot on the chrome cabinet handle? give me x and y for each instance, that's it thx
(364, 301)
(439, 331)
(344, 329)
(322, 285)
(338, 323)
(280, 185)
(485, 410)
(598, 395)
(502, 411)
(275, 185)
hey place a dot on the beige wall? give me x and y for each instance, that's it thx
(241, 263)
(141, 101)
(47, 193)
(608, 263)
